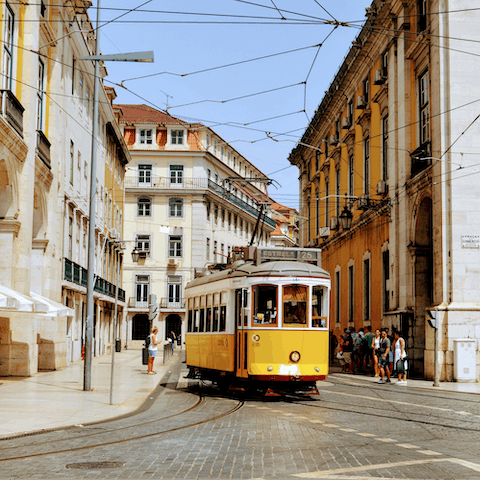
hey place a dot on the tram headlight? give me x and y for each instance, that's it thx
(270, 369)
(317, 369)
(295, 357)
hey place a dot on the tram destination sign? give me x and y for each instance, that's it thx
(296, 254)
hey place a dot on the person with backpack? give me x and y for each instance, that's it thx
(384, 351)
(151, 343)
(369, 336)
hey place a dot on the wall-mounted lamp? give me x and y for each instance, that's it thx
(346, 218)
(135, 255)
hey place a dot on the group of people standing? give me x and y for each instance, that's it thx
(357, 350)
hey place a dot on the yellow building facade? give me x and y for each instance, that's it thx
(383, 151)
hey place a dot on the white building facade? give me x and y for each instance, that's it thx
(190, 198)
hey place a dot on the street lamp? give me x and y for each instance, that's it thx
(135, 255)
(346, 218)
(122, 57)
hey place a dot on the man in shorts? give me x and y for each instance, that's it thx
(383, 361)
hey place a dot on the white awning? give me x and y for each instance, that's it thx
(18, 302)
(54, 309)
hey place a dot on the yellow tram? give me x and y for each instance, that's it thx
(261, 322)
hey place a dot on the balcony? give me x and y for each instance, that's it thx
(240, 203)
(154, 181)
(141, 304)
(11, 109)
(169, 304)
(43, 148)
(76, 274)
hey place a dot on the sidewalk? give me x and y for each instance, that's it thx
(56, 399)
(444, 386)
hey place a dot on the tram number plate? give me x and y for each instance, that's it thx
(286, 254)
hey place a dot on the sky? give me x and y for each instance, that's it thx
(253, 71)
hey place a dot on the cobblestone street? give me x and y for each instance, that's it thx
(354, 429)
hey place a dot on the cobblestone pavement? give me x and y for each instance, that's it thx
(354, 429)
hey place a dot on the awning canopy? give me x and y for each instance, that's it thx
(55, 309)
(18, 302)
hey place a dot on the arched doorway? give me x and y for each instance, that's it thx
(140, 326)
(173, 323)
(422, 255)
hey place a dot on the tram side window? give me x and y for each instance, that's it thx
(208, 324)
(190, 321)
(195, 324)
(223, 318)
(295, 301)
(265, 305)
(319, 319)
(215, 319)
(202, 321)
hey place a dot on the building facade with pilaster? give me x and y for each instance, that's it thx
(393, 144)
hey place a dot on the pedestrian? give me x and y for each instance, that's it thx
(400, 359)
(333, 346)
(347, 349)
(173, 338)
(152, 350)
(390, 355)
(385, 347)
(376, 352)
(358, 350)
(369, 350)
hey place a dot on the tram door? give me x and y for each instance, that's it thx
(241, 321)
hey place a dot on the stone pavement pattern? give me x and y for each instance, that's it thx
(355, 429)
(55, 399)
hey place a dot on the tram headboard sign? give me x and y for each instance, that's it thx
(297, 254)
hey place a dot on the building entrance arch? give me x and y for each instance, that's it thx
(140, 326)
(173, 323)
(422, 256)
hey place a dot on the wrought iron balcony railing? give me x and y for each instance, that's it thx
(77, 274)
(174, 304)
(134, 302)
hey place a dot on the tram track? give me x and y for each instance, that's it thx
(123, 440)
(202, 399)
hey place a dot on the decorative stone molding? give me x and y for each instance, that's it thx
(39, 244)
(10, 226)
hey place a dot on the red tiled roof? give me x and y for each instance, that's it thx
(146, 114)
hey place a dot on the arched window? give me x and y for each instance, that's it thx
(144, 207)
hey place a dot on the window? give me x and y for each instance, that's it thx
(325, 144)
(40, 98)
(351, 174)
(337, 296)
(142, 243)
(366, 290)
(175, 246)
(337, 192)
(142, 286)
(366, 90)
(385, 64)
(424, 88)
(351, 294)
(350, 113)
(146, 137)
(9, 22)
(177, 137)
(209, 140)
(222, 152)
(386, 277)
(174, 287)
(422, 13)
(72, 161)
(317, 160)
(366, 166)
(223, 313)
(295, 302)
(215, 245)
(208, 316)
(176, 175)
(144, 207)
(215, 214)
(265, 305)
(144, 175)
(223, 217)
(207, 246)
(73, 75)
(385, 148)
(318, 299)
(327, 202)
(215, 147)
(317, 209)
(208, 211)
(229, 157)
(175, 207)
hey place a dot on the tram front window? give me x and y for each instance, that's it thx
(295, 301)
(265, 305)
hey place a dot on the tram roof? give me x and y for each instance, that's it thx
(266, 269)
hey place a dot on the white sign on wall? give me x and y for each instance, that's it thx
(470, 241)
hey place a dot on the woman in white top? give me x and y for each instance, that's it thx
(152, 350)
(375, 347)
(400, 363)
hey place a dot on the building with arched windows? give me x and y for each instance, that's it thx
(387, 179)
